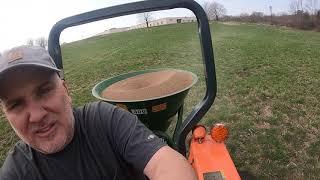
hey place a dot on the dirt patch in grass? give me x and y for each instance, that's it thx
(266, 112)
(263, 125)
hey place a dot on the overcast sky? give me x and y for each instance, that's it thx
(21, 20)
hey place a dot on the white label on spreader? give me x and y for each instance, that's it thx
(139, 111)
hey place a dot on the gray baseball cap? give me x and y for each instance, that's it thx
(24, 57)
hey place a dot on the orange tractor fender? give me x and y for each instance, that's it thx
(209, 156)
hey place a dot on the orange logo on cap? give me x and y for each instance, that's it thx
(15, 55)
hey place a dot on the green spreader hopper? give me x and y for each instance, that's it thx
(156, 96)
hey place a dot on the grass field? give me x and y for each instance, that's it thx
(268, 87)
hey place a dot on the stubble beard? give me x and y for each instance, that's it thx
(58, 143)
(58, 140)
(55, 143)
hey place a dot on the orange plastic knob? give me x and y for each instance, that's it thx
(199, 133)
(219, 133)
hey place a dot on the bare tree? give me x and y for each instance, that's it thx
(244, 17)
(214, 10)
(270, 7)
(41, 41)
(296, 6)
(256, 16)
(146, 18)
(312, 6)
(30, 42)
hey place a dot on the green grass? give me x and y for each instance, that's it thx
(268, 87)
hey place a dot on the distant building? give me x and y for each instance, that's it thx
(164, 21)
(158, 22)
(114, 30)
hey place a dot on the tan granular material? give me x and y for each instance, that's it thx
(148, 86)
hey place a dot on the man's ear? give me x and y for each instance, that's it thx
(65, 85)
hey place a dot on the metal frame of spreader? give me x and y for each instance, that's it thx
(146, 6)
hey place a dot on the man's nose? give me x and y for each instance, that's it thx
(36, 111)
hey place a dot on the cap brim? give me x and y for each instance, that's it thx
(29, 65)
(8, 70)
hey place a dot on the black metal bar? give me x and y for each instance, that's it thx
(178, 124)
(210, 75)
(146, 6)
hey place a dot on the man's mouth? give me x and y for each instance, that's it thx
(45, 131)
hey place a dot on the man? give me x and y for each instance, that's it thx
(97, 141)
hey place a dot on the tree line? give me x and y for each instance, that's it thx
(41, 41)
(214, 11)
(303, 14)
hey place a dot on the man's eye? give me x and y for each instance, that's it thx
(14, 105)
(44, 91)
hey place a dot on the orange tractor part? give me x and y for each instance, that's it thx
(209, 156)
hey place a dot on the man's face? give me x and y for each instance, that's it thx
(38, 107)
